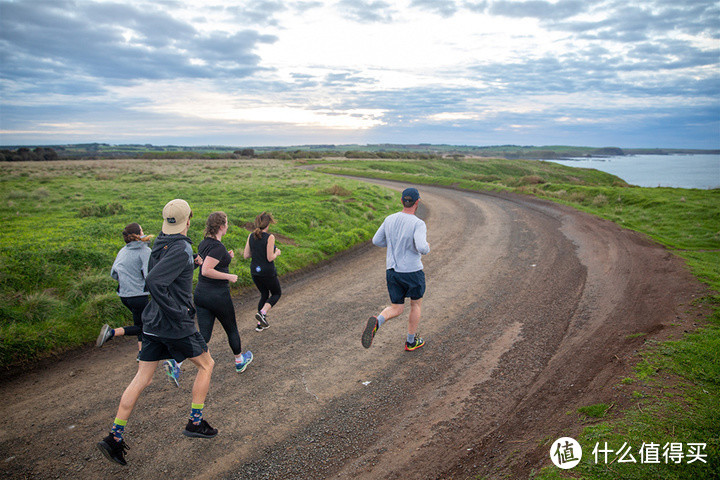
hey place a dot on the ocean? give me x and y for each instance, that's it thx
(678, 171)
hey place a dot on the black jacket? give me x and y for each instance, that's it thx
(170, 275)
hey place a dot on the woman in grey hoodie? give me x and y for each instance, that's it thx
(130, 269)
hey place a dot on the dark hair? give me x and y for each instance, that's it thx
(214, 223)
(261, 222)
(409, 202)
(131, 233)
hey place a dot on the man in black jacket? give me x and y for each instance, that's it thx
(169, 330)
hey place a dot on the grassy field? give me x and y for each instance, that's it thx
(677, 383)
(62, 223)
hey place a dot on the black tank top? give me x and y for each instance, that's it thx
(259, 266)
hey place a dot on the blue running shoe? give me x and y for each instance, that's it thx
(247, 358)
(173, 371)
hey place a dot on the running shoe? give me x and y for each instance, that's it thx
(260, 328)
(173, 371)
(369, 332)
(419, 342)
(247, 358)
(203, 430)
(113, 450)
(106, 333)
(262, 319)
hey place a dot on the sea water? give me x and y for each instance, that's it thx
(679, 171)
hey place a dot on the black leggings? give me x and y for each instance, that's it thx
(211, 302)
(136, 305)
(267, 286)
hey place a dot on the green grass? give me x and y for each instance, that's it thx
(62, 222)
(687, 222)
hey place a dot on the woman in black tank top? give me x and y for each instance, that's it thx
(261, 248)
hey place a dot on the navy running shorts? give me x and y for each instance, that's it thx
(402, 285)
(159, 348)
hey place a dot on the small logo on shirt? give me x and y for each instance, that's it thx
(257, 269)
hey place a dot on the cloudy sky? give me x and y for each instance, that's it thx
(627, 73)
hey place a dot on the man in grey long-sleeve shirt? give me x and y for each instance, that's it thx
(405, 237)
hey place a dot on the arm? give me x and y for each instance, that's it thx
(144, 258)
(246, 252)
(272, 252)
(113, 272)
(208, 270)
(379, 238)
(420, 237)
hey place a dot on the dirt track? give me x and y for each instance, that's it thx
(527, 316)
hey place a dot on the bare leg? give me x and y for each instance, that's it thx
(414, 320)
(266, 308)
(393, 310)
(119, 332)
(205, 364)
(142, 379)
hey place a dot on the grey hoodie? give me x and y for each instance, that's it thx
(170, 311)
(130, 269)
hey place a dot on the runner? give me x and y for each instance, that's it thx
(130, 270)
(168, 329)
(212, 293)
(405, 237)
(261, 247)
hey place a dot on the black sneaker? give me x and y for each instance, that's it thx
(113, 449)
(105, 335)
(262, 319)
(204, 430)
(369, 332)
(260, 328)
(417, 343)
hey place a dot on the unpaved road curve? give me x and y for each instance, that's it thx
(528, 314)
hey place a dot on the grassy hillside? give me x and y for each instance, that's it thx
(62, 223)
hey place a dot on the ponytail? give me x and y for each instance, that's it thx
(261, 222)
(132, 233)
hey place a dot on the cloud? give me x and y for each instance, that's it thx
(537, 9)
(366, 11)
(444, 8)
(262, 12)
(47, 41)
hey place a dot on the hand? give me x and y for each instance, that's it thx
(277, 252)
(232, 254)
(232, 278)
(198, 260)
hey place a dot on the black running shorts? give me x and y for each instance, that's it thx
(160, 348)
(403, 285)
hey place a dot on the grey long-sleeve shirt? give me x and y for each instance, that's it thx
(405, 237)
(130, 269)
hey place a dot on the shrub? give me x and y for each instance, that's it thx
(337, 190)
(101, 210)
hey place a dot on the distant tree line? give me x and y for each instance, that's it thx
(25, 154)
